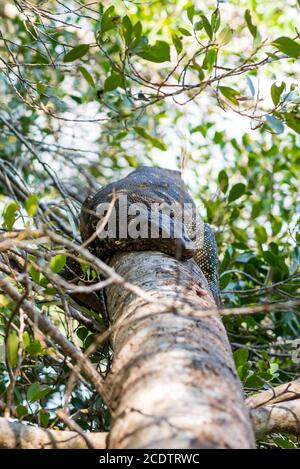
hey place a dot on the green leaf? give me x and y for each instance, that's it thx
(275, 124)
(287, 46)
(82, 333)
(225, 36)
(34, 348)
(198, 25)
(21, 411)
(57, 263)
(87, 76)
(210, 59)
(240, 356)
(159, 52)
(139, 44)
(276, 92)
(35, 392)
(245, 257)
(12, 347)
(32, 205)
(229, 93)
(26, 339)
(137, 34)
(199, 69)
(270, 258)
(261, 234)
(240, 235)
(254, 381)
(76, 53)
(274, 367)
(293, 121)
(44, 418)
(284, 443)
(215, 20)
(113, 81)
(138, 29)
(127, 29)
(41, 87)
(191, 13)
(207, 26)
(9, 214)
(132, 161)
(252, 28)
(177, 43)
(224, 280)
(184, 32)
(223, 181)
(35, 274)
(154, 141)
(236, 192)
(109, 20)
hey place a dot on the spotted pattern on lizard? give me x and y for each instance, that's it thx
(162, 186)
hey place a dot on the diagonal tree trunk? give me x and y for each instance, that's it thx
(173, 382)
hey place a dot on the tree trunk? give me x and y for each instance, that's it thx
(173, 382)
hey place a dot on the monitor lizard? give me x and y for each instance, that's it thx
(148, 186)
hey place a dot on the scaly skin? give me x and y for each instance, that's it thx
(155, 185)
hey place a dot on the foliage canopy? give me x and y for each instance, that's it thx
(90, 90)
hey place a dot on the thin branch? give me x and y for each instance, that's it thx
(67, 347)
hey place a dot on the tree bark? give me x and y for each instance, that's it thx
(276, 409)
(283, 417)
(173, 382)
(16, 435)
(281, 393)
